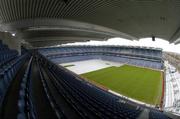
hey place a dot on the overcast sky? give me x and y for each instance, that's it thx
(159, 43)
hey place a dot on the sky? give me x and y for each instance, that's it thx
(158, 43)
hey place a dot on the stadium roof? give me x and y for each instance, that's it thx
(52, 22)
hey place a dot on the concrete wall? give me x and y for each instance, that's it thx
(13, 42)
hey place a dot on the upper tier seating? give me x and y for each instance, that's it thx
(144, 57)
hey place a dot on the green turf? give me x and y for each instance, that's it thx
(138, 83)
(69, 65)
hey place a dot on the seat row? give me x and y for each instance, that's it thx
(25, 104)
(59, 113)
(157, 115)
(116, 49)
(8, 72)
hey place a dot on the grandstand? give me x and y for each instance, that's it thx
(80, 98)
(172, 87)
(36, 76)
(144, 57)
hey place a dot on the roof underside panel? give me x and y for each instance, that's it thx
(132, 18)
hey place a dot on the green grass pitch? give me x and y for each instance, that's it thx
(138, 83)
(69, 65)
